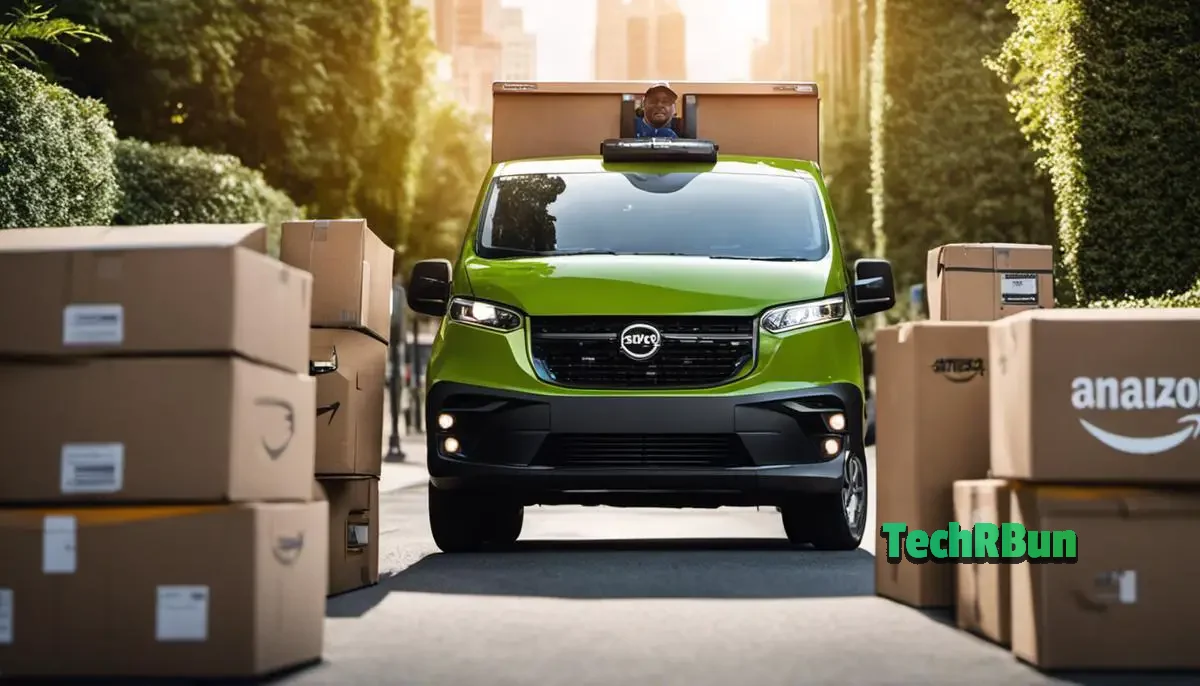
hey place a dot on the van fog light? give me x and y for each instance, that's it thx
(837, 422)
(450, 445)
(832, 446)
(445, 421)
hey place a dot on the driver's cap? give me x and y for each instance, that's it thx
(662, 86)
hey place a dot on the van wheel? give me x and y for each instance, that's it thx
(507, 523)
(835, 521)
(466, 522)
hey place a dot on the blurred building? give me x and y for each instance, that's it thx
(485, 42)
(791, 49)
(443, 72)
(518, 47)
(640, 40)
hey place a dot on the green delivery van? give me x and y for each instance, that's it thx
(649, 322)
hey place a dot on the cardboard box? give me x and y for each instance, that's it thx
(181, 592)
(931, 430)
(353, 532)
(352, 272)
(129, 430)
(349, 402)
(988, 281)
(982, 604)
(1096, 396)
(151, 290)
(1129, 602)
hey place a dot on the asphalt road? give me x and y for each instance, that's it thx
(610, 597)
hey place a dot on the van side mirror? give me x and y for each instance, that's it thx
(429, 287)
(874, 288)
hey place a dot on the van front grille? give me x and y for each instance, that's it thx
(586, 352)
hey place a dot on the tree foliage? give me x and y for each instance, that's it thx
(34, 23)
(454, 159)
(845, 125)
(56, 154)
(1108, 91)
(167, 184)
(948, 162)
(323, 97)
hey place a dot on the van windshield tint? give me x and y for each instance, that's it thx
(709, 214)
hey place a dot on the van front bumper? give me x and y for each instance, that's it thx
(684, 451)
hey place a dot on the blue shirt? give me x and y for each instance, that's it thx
(645, 130)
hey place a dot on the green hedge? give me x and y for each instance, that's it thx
(56, 154)
(1188, 298)
(167, 184)
(1109, 91)
(948, 162)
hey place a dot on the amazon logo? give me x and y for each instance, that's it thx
(277, 443)
(287, 549)
(330, 409)
(959, 369)
(1131, 394)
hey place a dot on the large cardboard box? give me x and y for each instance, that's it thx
(165, 429)
(1096, 396)
(988, 281)
(931, 430)
(181, 592)
(982, 589)
(352, 272)
(350, 393)
(353, 532)
(151, 290)
(1130, 601)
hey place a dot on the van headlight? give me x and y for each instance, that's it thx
(487, 315)
(799, 315)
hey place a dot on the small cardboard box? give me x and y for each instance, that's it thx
(353, 532)
(186, 592)
(931, 430)
(988, 281)
(983, 604)
(151, 290)
(352, 272)
(166, 429)
(1129, 601)
(1094, 396)
(349, 402)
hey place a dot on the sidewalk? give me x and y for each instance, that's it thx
(409, 473)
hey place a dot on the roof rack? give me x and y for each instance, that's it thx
(658, 150)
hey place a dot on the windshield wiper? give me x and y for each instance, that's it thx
(758, 259)
(519, 252)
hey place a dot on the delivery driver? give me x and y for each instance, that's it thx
(658, 109)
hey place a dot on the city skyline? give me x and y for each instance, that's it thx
(483, 41)
(721, 37)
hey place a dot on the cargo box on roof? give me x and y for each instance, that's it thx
(743, 118)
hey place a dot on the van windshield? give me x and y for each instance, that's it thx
(709, 214)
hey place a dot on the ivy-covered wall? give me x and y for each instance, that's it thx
(948, 161)
(1109, 92)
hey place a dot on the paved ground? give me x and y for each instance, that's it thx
(609, 597)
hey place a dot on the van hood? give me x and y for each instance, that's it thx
(646, 284)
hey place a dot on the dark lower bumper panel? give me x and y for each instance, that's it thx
(687, 451)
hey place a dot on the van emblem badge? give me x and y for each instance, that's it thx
(640, 341)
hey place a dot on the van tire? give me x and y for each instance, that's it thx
(822, 520)
(507, 523)
(467, 521)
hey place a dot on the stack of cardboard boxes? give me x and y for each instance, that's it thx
(1002, 410)
(351, 322)
(156, 516)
